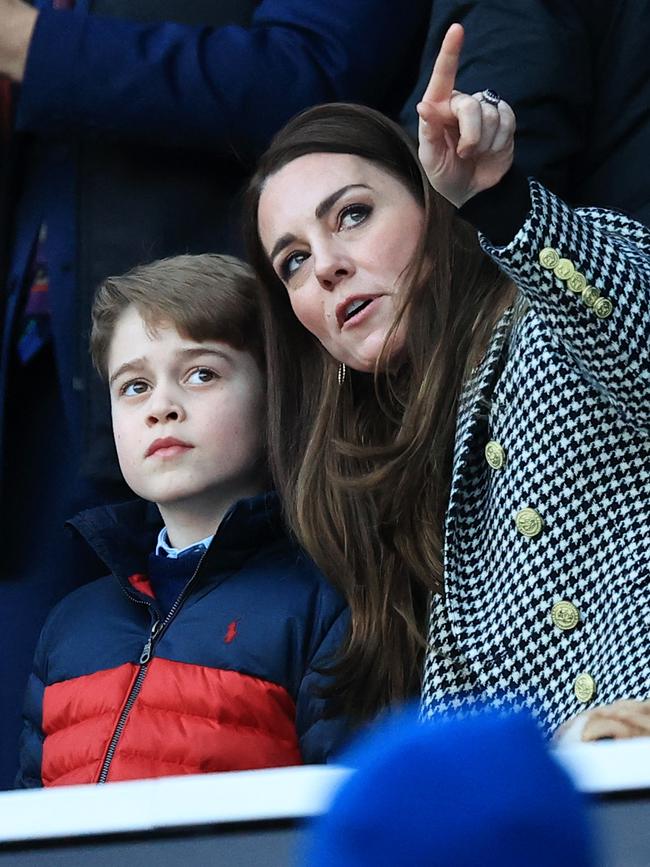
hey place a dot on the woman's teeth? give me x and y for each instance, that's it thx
(355, 306)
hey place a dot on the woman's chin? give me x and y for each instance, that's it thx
(376, 357)
(361, 366)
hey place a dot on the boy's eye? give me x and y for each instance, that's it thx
(353, 215)
(291, 264)
(201, 375)
(133, 388)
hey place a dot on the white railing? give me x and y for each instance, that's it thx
(248, 796)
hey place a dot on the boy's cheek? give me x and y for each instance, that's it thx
(126, 450)
(115, 421)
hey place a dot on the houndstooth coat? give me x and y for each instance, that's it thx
(547, 551)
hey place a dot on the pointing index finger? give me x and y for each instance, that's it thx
(443, 77)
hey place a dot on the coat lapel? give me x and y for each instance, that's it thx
(473, 410)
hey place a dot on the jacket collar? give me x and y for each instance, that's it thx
(124, 535)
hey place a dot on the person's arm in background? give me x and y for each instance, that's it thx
(224, 89)
(18, 19)
(538, 55)
(5, 139)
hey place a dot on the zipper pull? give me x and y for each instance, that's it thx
(145, 656)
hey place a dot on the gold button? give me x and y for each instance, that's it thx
(584, 687)
(548, 258)
(577, 282)
(495, 455)
(603, 307)
(590, 295)
(529, 522)
(565, 615)
(564, 269)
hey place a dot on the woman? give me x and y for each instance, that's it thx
(460, 439)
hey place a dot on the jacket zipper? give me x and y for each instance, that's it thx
(155, 634)
(126, 710)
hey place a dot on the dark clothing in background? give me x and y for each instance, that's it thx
(143, 142)
(133, 140)
(577, 74)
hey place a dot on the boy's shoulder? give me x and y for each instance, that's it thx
(70, 633)
(87, 601)
(284, 571)
(255, 533)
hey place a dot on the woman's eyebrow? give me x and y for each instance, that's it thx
(280, 244)
(328, 203)
(321, 210)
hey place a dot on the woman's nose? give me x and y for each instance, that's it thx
(331, 266)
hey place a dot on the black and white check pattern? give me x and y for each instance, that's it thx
(567, 395)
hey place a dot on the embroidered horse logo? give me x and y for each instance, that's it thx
(231, 632)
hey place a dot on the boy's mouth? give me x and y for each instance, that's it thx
(168, 445)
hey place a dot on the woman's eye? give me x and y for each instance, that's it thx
(133, 388)
(353, 215)
(291, 264)
(201, 375)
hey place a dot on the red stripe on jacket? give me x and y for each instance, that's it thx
(142, 584)
(187, 719)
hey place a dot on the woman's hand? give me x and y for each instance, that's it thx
(466, 144)
(621, 719)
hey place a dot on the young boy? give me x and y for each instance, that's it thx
(204, 649)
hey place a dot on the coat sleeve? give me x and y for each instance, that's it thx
(225, 88)
(586, 273)
(321, 736)
(32, 736)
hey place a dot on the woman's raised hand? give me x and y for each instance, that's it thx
(465, 143)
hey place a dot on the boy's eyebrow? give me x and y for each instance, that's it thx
(137, 364)
(321, 210)
(134, 364)
(195, 352)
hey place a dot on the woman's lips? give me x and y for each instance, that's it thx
(359, 316)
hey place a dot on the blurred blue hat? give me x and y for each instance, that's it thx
(471, 792)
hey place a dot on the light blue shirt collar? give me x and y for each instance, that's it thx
(164, 549)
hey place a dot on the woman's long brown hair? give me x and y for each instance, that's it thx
(364, 468)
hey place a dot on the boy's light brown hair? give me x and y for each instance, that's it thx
(206, 297)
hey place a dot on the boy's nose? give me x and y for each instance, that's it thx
(165, 411)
